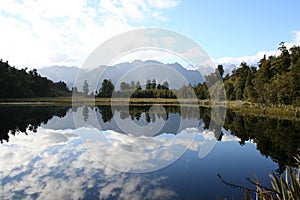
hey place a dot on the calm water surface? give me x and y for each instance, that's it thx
(78, 153)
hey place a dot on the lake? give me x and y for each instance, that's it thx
(137, 152)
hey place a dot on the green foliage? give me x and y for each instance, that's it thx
(277, 80)
(15, 83)
(282, 188)
(106, 89)
(152, 90)
(201, 91)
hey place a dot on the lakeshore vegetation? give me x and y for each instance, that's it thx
(274, 83)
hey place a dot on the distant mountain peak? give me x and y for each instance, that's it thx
(115, 72)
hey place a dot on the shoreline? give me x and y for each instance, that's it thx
(244, 107)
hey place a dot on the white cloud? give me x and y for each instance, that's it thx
(248, 59)
(253, 60)
(163, 4)
(295, 41)
(56, 160)
(39, 33)
(297, 37)
(29, 162)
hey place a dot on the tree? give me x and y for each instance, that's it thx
(132, 85)
(85, 88)
(249, 92)
(221, 70)
(106, 89)
(229, 88)
(123, 86)
(153, 86)
(283, 59)
(148, 84)
(165, 85)
(138, 85)
(159, 86)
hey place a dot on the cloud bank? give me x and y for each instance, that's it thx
(253, 60)
(39, 33)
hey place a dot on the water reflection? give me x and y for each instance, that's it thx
(277, 138)
(55, 165)
(15, 119)
(48, 155)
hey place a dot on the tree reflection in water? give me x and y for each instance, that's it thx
(276, 138)
(15, 119)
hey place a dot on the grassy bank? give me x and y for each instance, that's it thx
(53, 101)
(276, 111)
(104, 101)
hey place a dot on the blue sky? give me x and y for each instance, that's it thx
(44, 33)
(237, 28)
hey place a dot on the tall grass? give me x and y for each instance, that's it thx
(287, 187)
(284, 186)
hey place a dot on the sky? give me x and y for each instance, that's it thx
(37, 33)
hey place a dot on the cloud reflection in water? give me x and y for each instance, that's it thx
(55, 164)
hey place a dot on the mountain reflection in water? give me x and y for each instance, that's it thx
(277, 138)
(42, 155)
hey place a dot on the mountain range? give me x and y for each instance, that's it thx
(137, 70)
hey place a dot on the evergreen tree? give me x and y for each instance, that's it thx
(106, 89)
(15, 83)
(85, 88)
(165, 85)
(220, 70)
(148, 85)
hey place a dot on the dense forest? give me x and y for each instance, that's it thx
(276, 80)
(15, 83)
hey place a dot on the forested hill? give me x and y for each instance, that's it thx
(15, 83)
(276, 81)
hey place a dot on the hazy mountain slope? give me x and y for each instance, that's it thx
(136, 70)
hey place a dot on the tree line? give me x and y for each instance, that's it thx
(134, 90)
(276, 80)
(15, 83)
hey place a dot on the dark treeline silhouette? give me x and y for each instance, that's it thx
(275, 81)
(134, 90)
(15, 83)
(15, 119)
(135, 112)
(276, 138)
(151, 90)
